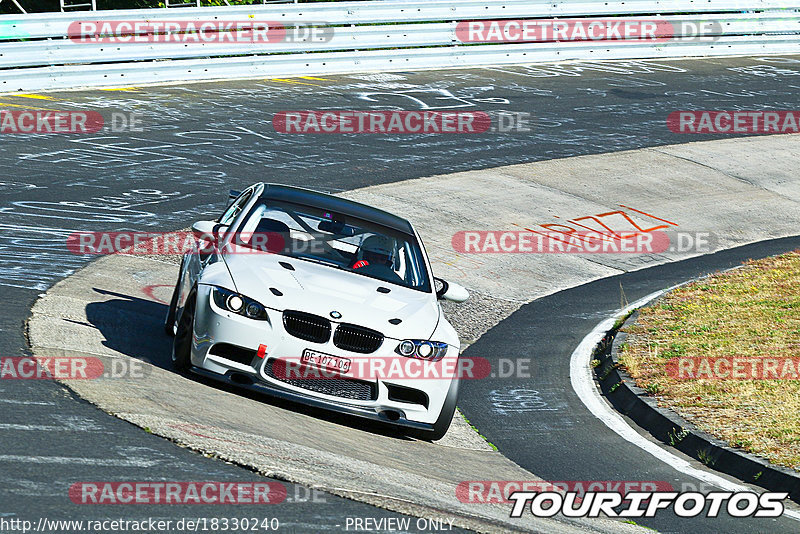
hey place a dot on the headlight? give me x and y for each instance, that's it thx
(253, 310)
(239, 304)
(407, 348)
(431, 351)
(235, 303)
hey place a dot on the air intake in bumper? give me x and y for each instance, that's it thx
(346, 388)
(233, 353)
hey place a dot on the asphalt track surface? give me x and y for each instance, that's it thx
(541, 424)
(199, 140)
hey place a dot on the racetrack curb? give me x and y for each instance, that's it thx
(670, 428)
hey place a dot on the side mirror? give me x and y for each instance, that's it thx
(207, 232)
(451, 291)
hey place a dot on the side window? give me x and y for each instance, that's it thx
(235, 209)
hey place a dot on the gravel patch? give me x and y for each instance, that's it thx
(473, 318)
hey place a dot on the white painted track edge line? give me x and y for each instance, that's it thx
(583, 384)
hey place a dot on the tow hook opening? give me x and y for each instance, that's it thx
(241, 378)
(391, 415)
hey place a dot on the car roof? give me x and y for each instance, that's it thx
(337, 205)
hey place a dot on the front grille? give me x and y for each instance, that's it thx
(357, 338)
(345, 388)
(307, 326)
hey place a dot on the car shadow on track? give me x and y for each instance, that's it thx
(134, 326)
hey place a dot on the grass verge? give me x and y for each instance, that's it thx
(741, 315)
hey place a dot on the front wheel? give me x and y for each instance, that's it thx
(442, 423)
(182, 346)
(169, 321)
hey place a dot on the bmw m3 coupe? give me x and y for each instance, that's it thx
(320, 300)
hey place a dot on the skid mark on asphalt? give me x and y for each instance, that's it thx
(41, 428)
(30, 403)
(130, 462)
(74, 423)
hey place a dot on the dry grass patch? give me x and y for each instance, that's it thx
(751, 312)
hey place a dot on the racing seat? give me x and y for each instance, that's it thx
(375, 257)
(271, 236)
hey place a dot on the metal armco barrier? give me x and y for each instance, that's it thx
(36, 51)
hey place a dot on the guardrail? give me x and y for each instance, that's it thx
(37, 51)
(339, 13)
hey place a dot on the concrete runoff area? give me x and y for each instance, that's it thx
(729, 188)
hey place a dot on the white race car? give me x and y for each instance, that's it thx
(320, 300)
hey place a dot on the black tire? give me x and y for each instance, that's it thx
(169, 321)
(182, 346)
(442, 423)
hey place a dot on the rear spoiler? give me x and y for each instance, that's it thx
(233, 194)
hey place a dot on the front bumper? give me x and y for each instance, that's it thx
(215, 328)
(235, 378)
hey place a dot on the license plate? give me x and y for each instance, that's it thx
(326, 361)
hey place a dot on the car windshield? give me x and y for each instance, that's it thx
(319, 236)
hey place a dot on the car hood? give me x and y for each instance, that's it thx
(320, 289)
